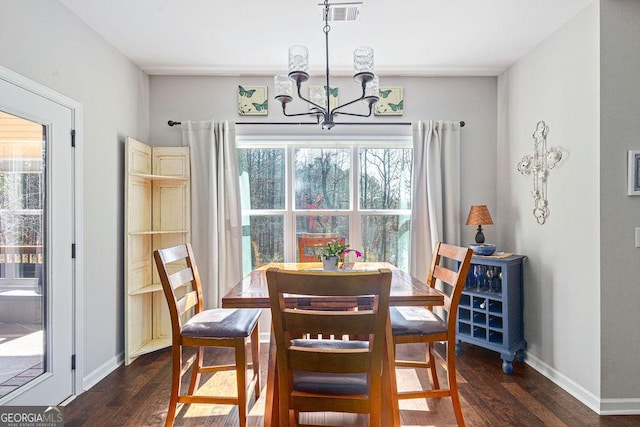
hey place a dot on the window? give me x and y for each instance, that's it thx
(21, 219)
(360, 190)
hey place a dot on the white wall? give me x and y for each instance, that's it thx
(620, 259)
(471, 99)
(45, 42)
(557, 82)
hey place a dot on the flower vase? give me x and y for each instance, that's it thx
(330, 263)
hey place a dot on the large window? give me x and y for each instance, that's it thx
(359, 190)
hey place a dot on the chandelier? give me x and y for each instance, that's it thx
(320, 106)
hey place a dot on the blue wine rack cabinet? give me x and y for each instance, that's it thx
(490, 311)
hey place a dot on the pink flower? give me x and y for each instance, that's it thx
(358, 253)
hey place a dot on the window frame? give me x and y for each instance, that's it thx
(289, 143)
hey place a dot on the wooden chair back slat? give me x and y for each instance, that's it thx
(188, 301)
(445, 275)
(339, 362)
(174, 254)
(181, 278)
(330, 283)
(298, 322)
(311, 242)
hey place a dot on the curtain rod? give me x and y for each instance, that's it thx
(174, 123)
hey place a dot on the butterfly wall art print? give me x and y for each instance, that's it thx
(391, 102)
(318, 94)
(252, 100)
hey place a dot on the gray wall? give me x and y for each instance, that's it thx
(557, 82)
(45, 42)
(620, 259)
(472, 99)
(581, 293)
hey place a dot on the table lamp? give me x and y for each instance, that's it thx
(479, 215)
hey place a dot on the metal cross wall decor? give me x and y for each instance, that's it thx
(538, 165)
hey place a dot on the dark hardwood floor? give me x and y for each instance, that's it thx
(137, 395)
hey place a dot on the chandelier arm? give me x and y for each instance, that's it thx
(335, 110)
(318, 114)
(355, 114)
(363, 96)
(320, 107)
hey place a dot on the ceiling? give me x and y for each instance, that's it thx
(251, 37)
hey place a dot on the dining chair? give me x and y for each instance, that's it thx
(337, 375)
(193, 326)
(308, 245)
(409, 325)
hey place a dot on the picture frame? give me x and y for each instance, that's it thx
(317, 94)
(634, 173)
(391, 102)
(252, 100)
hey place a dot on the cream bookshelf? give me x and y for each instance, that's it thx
(157, 215)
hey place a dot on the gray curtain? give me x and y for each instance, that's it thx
(435, 212)
(216, 225)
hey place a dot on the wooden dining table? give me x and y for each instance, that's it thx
(252, 292)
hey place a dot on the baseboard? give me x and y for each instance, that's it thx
(101, 372)
(620, 407)
(586, 397)
(623, 406)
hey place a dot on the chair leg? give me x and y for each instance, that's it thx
(375, 416)
(453, 382)
(433, 374)
(195, 370)
(241, 379)
(294, 418)
(176, 367)
(287, 417)
(255, 359)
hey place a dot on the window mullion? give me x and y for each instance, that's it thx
(355, 220)
(290, 217)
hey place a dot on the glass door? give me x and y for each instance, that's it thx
(22, 181)
(36, 233)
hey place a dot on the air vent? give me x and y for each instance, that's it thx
(343, 11)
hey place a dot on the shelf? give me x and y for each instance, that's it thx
(147, 289)
(159, 177)
(479, 303)
(495, 321)
(479, 318)
(495, 306)
(464, 328)
(153, 345)
(464, 314)
(495, 337)
(151, 232)
(465, 300)
(479, 332)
